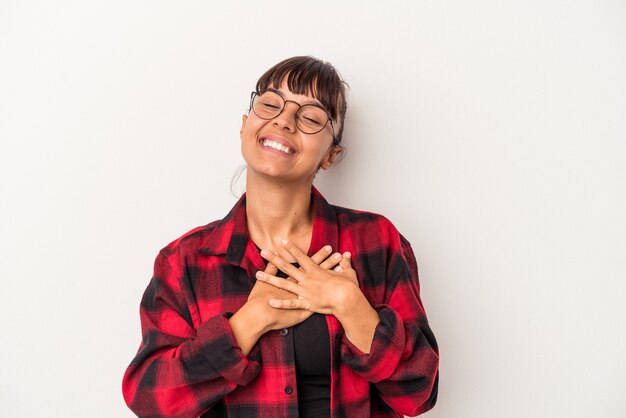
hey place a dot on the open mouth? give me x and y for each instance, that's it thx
(277, 146)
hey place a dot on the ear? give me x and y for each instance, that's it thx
(244, 119)
(333, 154)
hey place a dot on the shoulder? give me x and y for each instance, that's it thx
(368, 226)
(191, 241)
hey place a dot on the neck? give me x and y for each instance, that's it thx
(276, 211)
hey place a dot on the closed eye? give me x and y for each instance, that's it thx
(311, 121)
(270, 106)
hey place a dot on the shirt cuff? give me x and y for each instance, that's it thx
(217, 341)
(386, 349)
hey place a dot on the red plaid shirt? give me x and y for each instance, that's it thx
(189, 363)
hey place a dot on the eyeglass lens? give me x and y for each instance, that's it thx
(310, 119)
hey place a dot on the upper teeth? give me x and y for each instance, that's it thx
(276, 145)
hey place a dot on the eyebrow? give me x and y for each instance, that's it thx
(314, 102)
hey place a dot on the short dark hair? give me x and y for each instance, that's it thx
(313, 77)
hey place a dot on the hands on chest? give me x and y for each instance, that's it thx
(323, 283)
(263, 293)
(322, 287)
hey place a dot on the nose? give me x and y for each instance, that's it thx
(287, 118)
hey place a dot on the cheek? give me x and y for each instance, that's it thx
(323, 148)
(246, 140)
(247, 133)
(251, 127)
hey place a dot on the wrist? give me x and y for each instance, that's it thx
(247, 318)
(348, 302)
(359, 321)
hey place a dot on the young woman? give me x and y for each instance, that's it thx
(289, 306)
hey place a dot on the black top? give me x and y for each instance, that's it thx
(312, 359)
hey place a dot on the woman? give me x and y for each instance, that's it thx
(289, 306)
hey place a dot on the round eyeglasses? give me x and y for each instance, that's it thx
(311, 118)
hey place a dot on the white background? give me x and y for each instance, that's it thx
(492, 133)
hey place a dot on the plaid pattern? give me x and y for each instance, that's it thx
(189, 365)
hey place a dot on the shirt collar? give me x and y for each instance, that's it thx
(231, 237)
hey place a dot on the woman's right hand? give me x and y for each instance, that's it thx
(256, 316)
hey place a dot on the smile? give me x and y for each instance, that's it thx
(273, 144)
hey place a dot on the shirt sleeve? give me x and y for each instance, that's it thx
(403, 363)
(180, 371)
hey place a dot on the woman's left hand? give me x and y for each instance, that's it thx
(318, 290)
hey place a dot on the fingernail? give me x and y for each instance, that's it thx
(328, 248)
(264, 253)
(337, 256)
(259, 274)
(347, 255)
(273, 302)
(284, 241)
(338, 269)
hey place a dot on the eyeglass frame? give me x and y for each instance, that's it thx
(285, 101)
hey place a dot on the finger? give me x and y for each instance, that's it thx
(271, 269)
(279, 262)
(345, 263)
(293, 304)
(304, 260)
(331, 261)
(289, 304)
(322, 254)
(277, 282)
